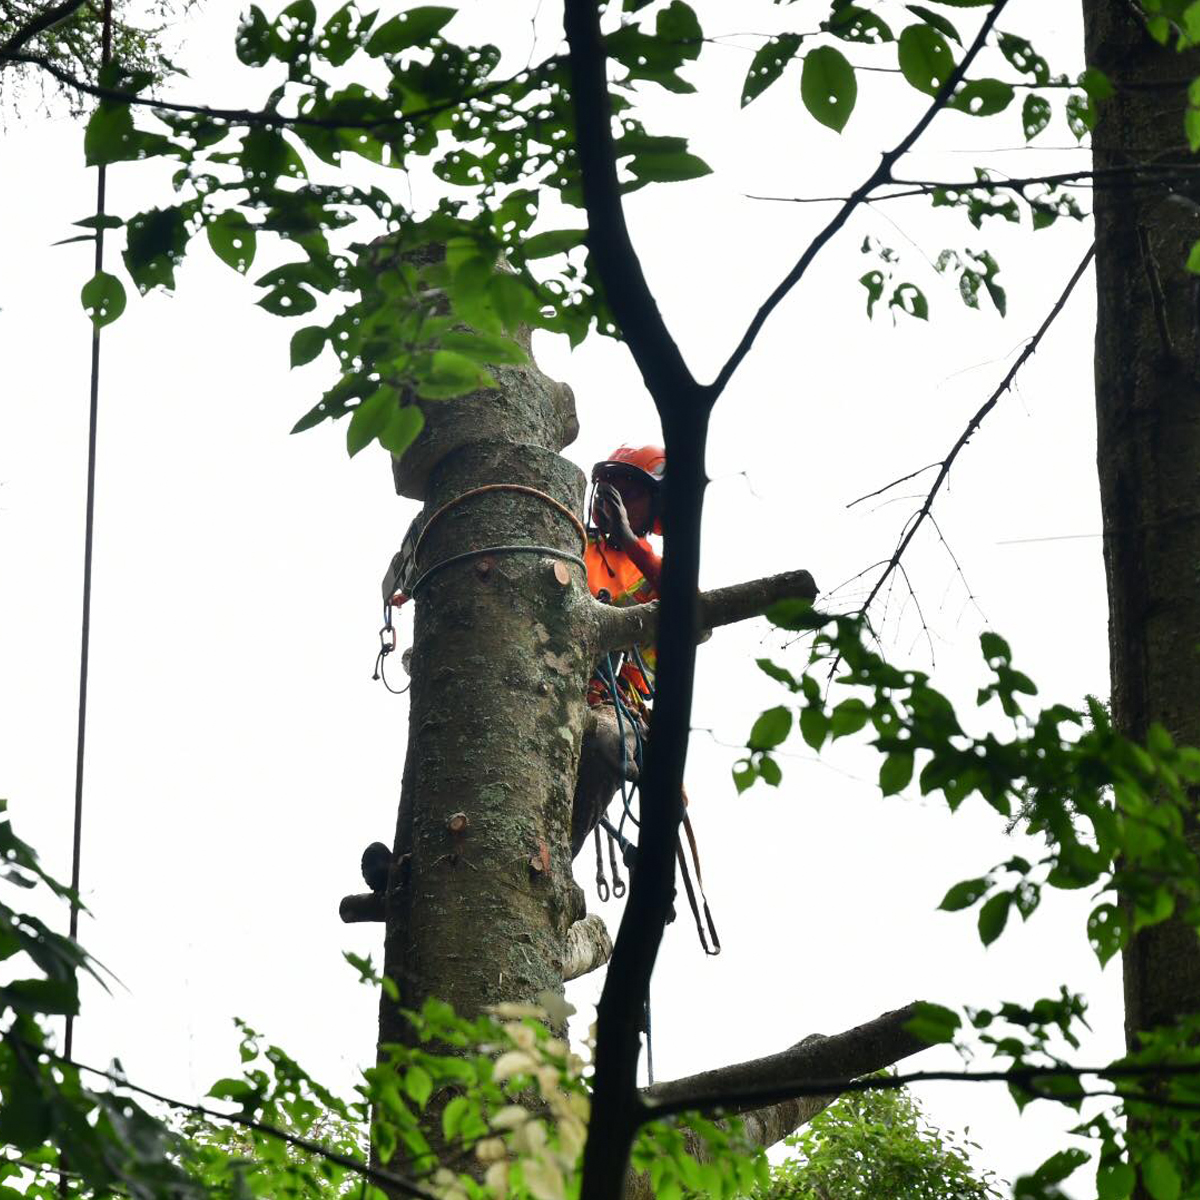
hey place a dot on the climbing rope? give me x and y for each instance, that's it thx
(88, 529)
(519, 488)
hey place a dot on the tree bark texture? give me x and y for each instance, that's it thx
(1148, 435)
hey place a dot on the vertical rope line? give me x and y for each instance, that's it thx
(88, 528)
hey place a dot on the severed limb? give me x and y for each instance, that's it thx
(813, 1061)
(588, 947)
(619, 627)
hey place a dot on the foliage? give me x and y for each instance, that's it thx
(1111, 814)
(500, 1098)
(877, 1145)
(502, 146)
(73, 44)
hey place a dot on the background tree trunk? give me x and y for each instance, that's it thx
(1148, 435)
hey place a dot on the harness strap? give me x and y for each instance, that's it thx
(712, 929)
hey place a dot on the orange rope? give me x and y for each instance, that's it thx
(502, 487)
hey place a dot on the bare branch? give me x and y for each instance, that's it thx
(973, 424)
(1126, 175)
(39, 24)
(887, 487)
(635, 626)
(882, 174)
(858, 1051)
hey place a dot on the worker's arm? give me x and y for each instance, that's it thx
(646, 561)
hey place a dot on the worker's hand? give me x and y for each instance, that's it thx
(612, 517)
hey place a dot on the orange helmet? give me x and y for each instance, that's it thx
(647, 463)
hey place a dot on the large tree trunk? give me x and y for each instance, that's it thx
(1148, 423)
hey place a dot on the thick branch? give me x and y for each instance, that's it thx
(363, 906)
(915, 522)
(635, 626)
(39, 24)
(609, 244)
(881, 174)
(858, 1051)
(588, 947)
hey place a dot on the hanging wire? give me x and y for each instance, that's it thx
(89, 524)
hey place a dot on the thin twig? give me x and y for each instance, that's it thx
(887, 487)
(881, 175)
(915, 523)
(269, 120)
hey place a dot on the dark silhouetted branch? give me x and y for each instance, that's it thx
(43, 21)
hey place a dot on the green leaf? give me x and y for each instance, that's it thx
(416, 27)
(488, 348)
(744, 776)
(854, 24)
(233, 240)
(849, 717)
(828, 87)
(936, 20)
(768, 63)
(45, 996)
(676, 166)
(1081, 115)
(1193, 259)
(814, 726)
(771, 728)
(925, 58)
(553, 241)
(1160, 1177)
(909, 298)
(103, 298)
(794, 613)
(963, 895)
(982, 97)
(400, 431)
(994, 648)
(1035, 116)
(873, 281)
(1059, 1166)
(418, 1084)
(895, 772)
(369, 418)
(452, 1116)
(993, 916)
(155, 243)
(934, 1024)
(288, 300)
(1115, 1182)
(778, 673)
(253, 41)
(307, 343)
(451, 374)
(770, 771)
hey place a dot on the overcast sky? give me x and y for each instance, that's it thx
(239, 755)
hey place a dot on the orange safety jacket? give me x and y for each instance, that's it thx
(616, 579)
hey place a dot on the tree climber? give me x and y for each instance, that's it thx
(623, 569)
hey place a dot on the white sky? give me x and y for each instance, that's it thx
(239, 756)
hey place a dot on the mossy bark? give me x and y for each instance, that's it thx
(481, 896)
(1148, 441)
